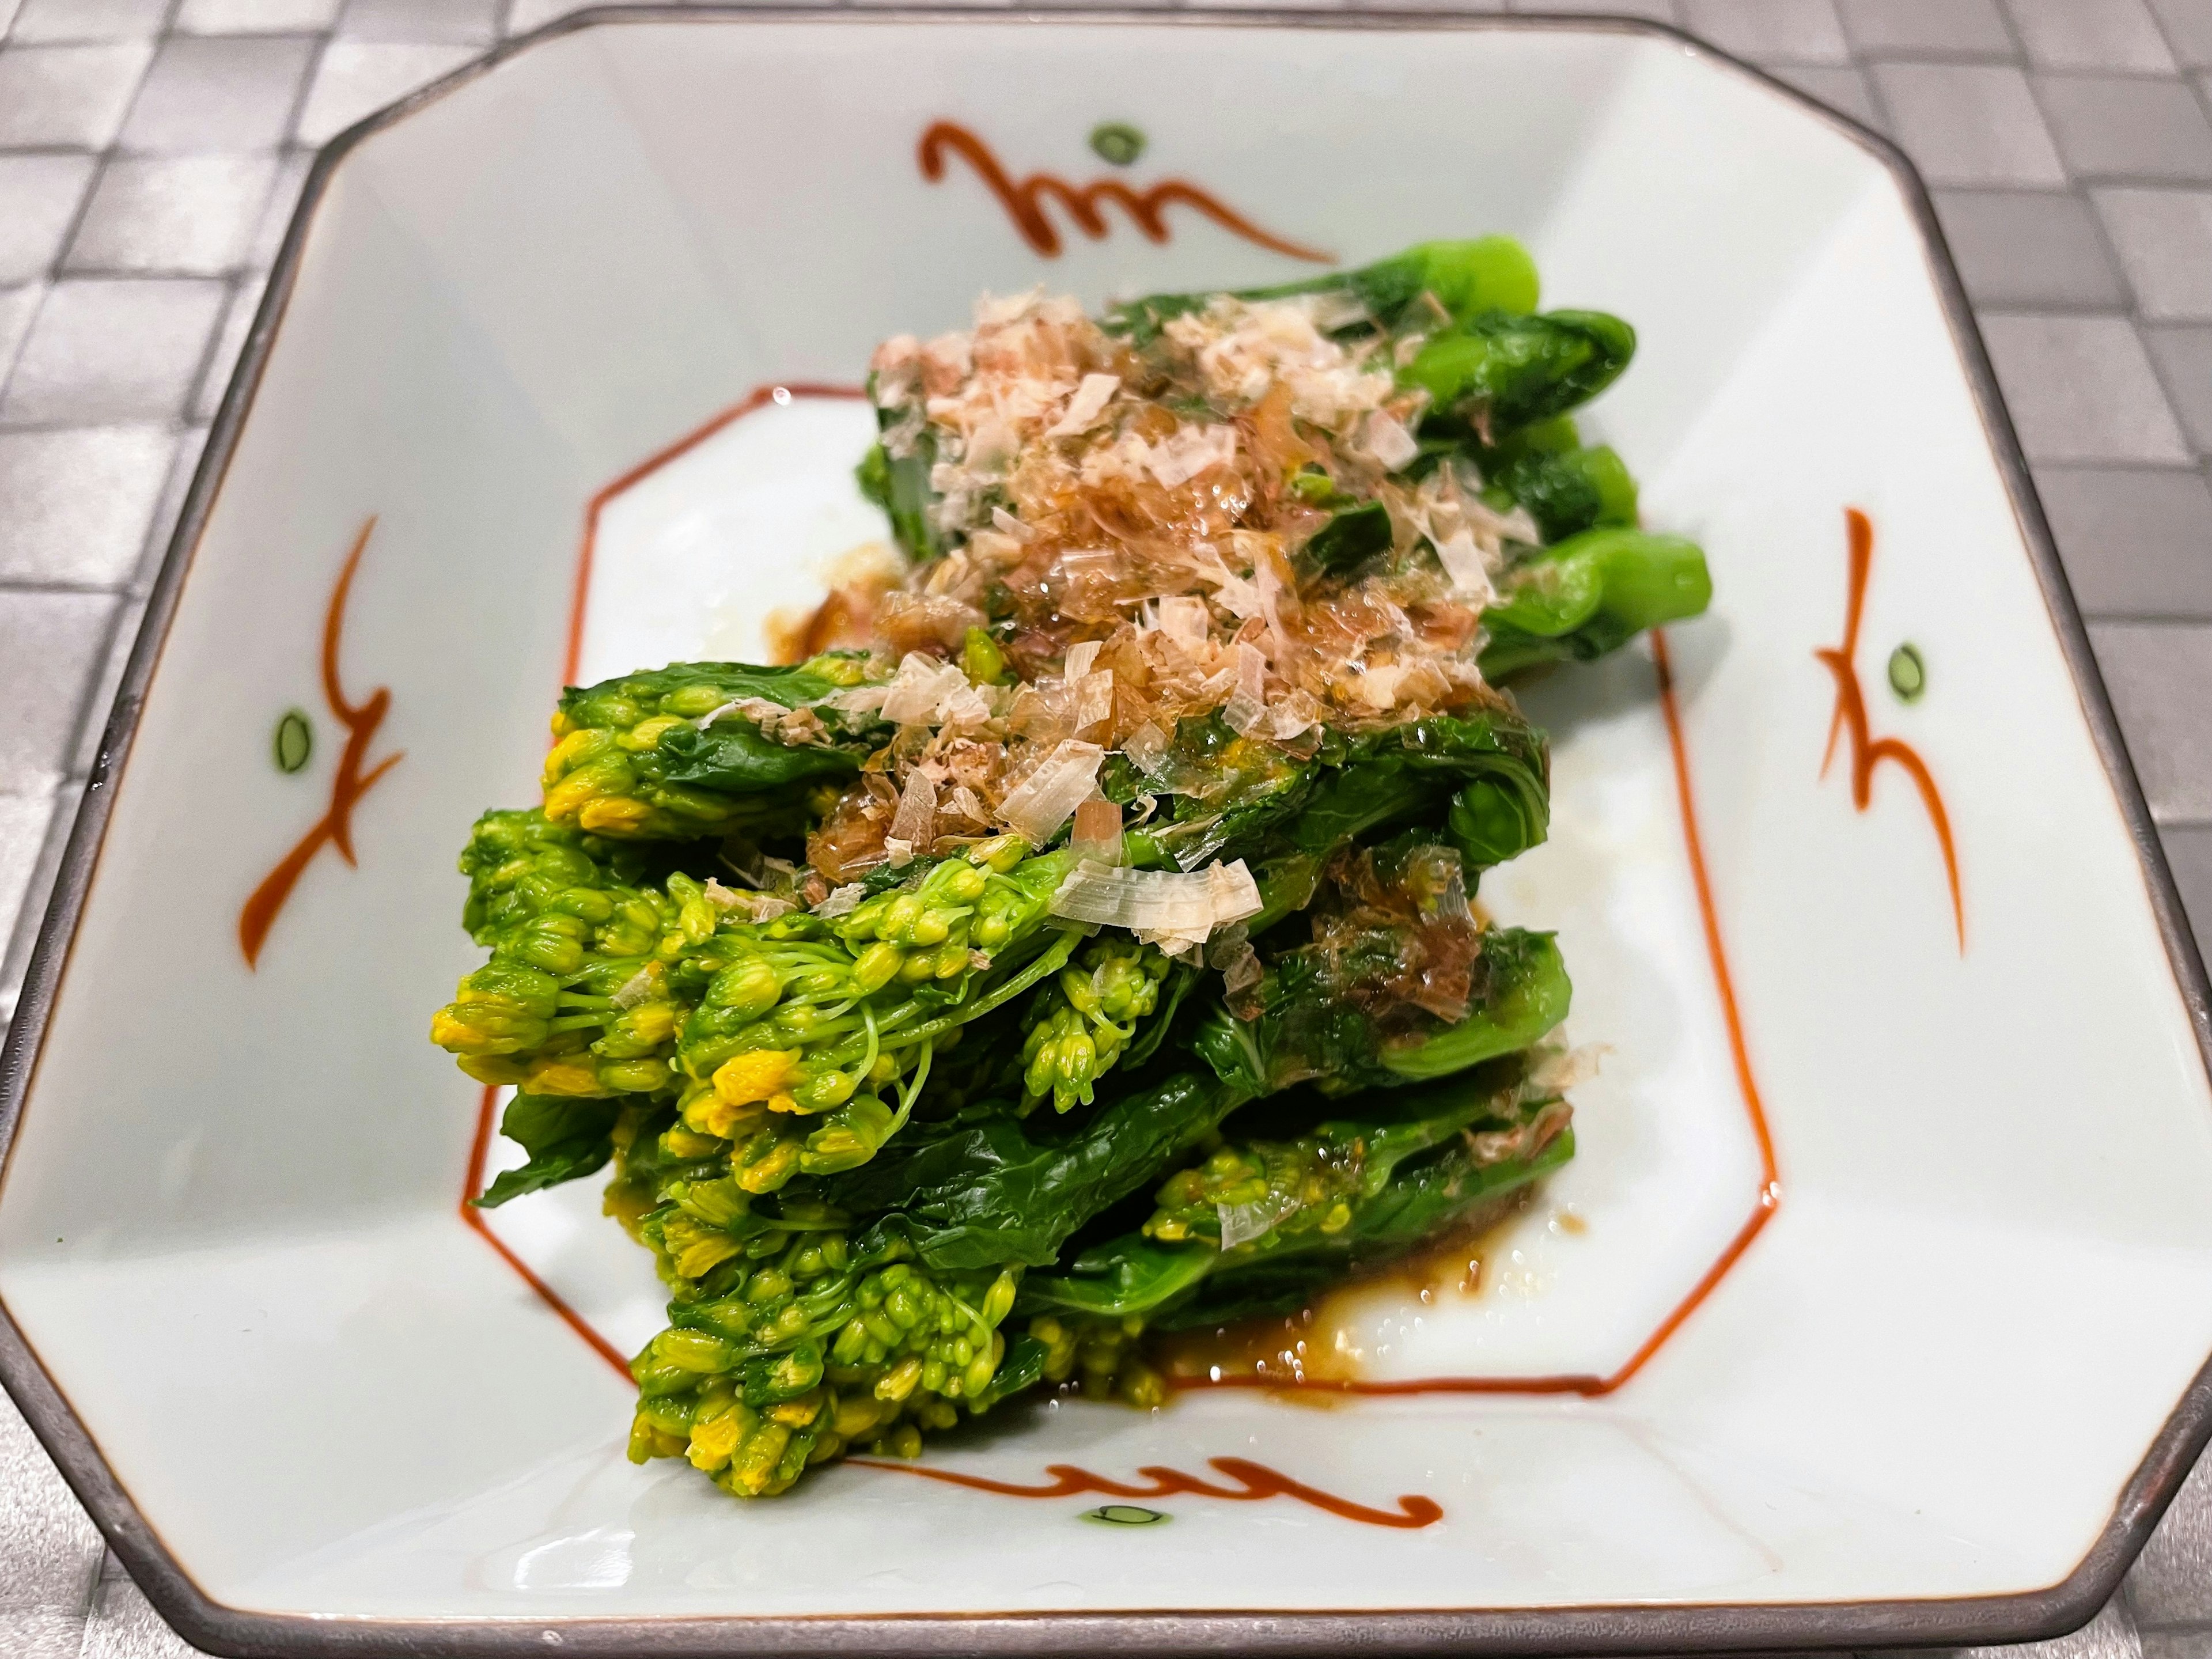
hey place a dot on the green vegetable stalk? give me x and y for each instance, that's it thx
(1466, 278)
(826, 1124)
(1590, 595)
(1258, 1226)
(779, 1040)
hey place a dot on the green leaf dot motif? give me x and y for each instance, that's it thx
(1125, 1515)
(293, 742)
(1117, 142)
(1908, 673)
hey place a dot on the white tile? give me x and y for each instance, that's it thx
(2081, 389)
(460, 22)
(191, 215)
(52, 645)
(2160, 675)
(17, 306)
(78, 502)
(2183, 356)
(40, 1632)
(2164, 239)
(68, 96)
(2108, 34)
(39, 197)
(44, 21)
(1969, 124)
(256, 16)
(234, 93)
(32, 1626)
(23, 821)
(50, 1551)
(215, 379)
(112, 350)
(2188, 29)
(1771, 30)
(1964, 27)
(276, 212)
(183, 467)
(123, 1625)
(359, 77)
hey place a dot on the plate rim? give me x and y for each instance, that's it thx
(1614, 1628)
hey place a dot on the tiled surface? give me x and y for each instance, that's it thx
(150, 152)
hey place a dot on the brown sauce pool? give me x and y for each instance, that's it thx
(1325, 1343)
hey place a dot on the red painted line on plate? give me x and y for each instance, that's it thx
(1254, 1481)
(758, 398)
(471, 1217)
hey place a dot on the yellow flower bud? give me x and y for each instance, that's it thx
(566, 753)
(765, 1175)
(900, 1381)
(761, 1075)
(498, 1070)
(647, 733)
(713, 1442)
(710, 1115)
(564, 801)
(857, 1413)
(614, 815)
(565, 1075)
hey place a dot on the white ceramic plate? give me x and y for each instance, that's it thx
(1874, 1308)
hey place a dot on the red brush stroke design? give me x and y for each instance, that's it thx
(1024, 202)
(334, 826)
(1254, 1481)
(1764, 1203)
(1869, 751)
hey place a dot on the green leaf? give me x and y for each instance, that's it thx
(565, 1137)
(989, 1194)
(1496, 372)
(1564, 492)
(1351, 538)
(731, 757)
